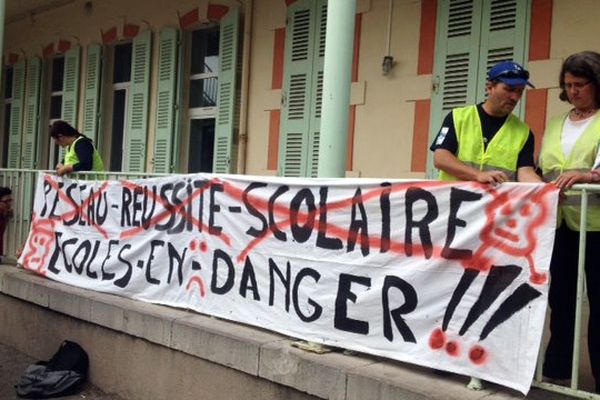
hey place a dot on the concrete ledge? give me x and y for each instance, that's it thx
(243, 355)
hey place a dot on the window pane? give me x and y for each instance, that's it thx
(203, 92)
(118, 130)
(202, 139)
(8, 82)
(205, 51)
(58, 72)
(55, 107)
(122, 67)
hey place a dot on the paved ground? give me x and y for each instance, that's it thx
(12, 365)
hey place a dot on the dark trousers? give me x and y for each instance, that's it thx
(562, 298)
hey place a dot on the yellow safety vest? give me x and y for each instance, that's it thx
(72, 159)
(502, 152)
(553, 163)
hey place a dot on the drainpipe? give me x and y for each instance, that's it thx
(243, 133)
(337, 70)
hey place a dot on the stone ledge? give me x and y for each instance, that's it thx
(256, 352)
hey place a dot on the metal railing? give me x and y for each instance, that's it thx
(22, 182)
(573, 389)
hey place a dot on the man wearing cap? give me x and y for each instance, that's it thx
(486, 142)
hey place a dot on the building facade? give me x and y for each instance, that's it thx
(235, 86)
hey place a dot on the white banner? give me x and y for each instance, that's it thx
(452, 276)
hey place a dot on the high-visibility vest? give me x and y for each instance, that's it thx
(502, 152)
(553, 163)
(71, 157)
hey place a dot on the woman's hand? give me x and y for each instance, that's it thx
(568, 179)
(63, 169)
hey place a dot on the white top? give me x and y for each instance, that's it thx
(571, 132)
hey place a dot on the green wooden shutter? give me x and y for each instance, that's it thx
(317, 90)
(91, 94)
(225, 151)
(71, 86)
(137, 115)
(16, 116)
(166, 100)
(472, 36)
(503, 37)
(456, 65)
(32, 108)
(297, 88)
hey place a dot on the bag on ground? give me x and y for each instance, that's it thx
(62, 375)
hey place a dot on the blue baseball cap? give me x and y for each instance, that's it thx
(510, 73)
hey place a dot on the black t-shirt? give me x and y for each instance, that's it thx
(446, 137)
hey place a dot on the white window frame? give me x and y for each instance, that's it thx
(108, 104)
(52, 154)
(193, 113)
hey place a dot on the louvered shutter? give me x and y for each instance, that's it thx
(31, 120)
(137, 115)
(314, 131)
(297, 89)
(502, 37)
(227, 112)
(457, 56)
(165, 99)
(16, 116)
(472, 36)
(456, 63)
(71, 86)
(91, 95)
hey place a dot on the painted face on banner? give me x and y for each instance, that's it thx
(513, 224)
(39, 246)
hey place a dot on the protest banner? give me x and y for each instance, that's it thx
(452, 276)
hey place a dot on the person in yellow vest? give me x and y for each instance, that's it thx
(80, 153)
(570, 155)
(485, 142)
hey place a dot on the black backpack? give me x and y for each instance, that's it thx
(62, 375)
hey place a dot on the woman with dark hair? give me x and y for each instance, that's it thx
(80, 153)
(569, 155)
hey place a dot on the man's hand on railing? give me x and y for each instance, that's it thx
(491, 177)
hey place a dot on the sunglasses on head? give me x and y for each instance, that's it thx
(511, 73)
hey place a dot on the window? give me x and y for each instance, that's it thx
(202, 98)
(201, 134)
(55, 103)
(8, 83)
(120, 84)
(125, 100)
(202, 141)
(58, 101)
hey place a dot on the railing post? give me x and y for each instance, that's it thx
(580, 281)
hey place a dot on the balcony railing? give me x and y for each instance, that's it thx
(22, 182)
